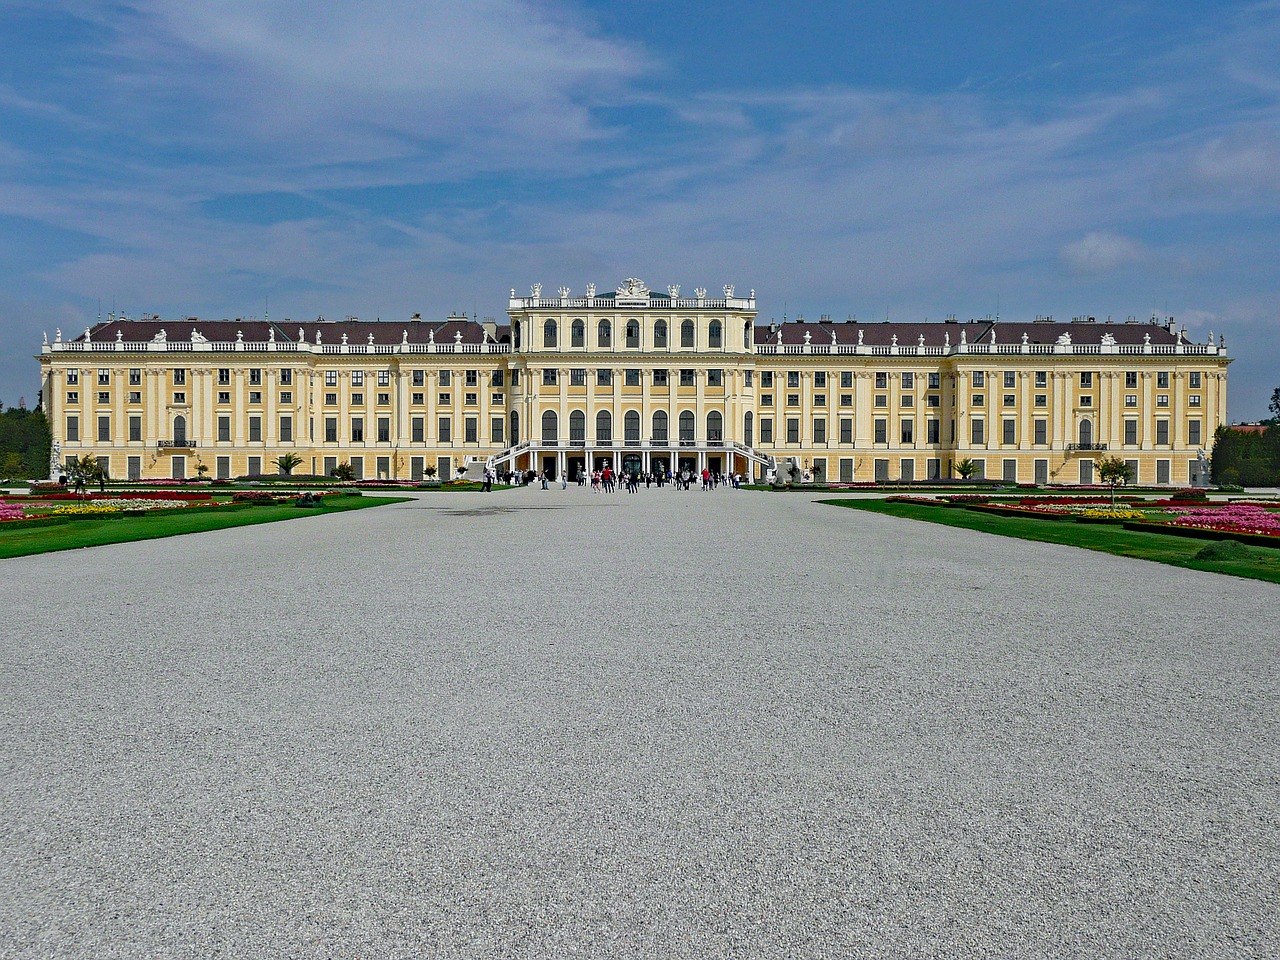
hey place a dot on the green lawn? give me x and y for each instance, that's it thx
(94, 532)
(1263, 563)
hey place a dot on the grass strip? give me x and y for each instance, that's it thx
(96, 532)
(1260, 563)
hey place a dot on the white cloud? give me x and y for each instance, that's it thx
(1100, 252)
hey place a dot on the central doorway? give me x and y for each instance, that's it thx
(549, 467)
(632, 463)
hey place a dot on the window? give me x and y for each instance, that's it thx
(330, 378)
(979, 399)
(1010, 379)
(604, 334)
(793, 379)
(1042, 379)
(135, 396)
(497, 378)
(417, 399)
(935, 381)
(417, 429)
(766, 378)
(766, 399)
(495, 427)
(715, 378)
(73, 429)
(1162, 381)
(73, 376)
(357, 378)
(104, 429)
(1130, 399)
(820, 400)
(908, 431)
(1010, 428)
(747, 377)
(135, 429)
(933, 400)
(1131, 432)
(471, 430)
(1086, 401)
(766, 430)
(446, 430)
(180, 377)
(793, 429)
(1193, 433)
(633, 333)
(631, 427)
(224, 376)
(549, 375)
(631, 378)
(135, 377)
(104, 396)
(330, 399)
(908, 400)
(1193, 380)
(224, 429)
(604, 427)
(881, 400)
(1131, 380)
(1194, 400)
(104, 377)
(255, 429)
(686, 425)
(1162, 432)
(793, 399)
(577, 426)
(578, 334)
(549, 333)
(881, 430)
(1162, 400)
(846, 379)
(550, 427)
(604, 378)
(255, 376)
(286, 396)
(660, 333)
(1086, 381)
(286, 377)
(978, 431)
(578, 377)
(686, 334)
(846, 430)
(357, 429)
(819, 429)
(714, 335)
(286, 429)
(908, 381)
(444, 399)
(659, 426)
(330, 429)
(846, 399)
(255, 396)
(686, 378)
(1042, 400)
(882, 381)
(1041, 431)
(820, 380)
(933, 430)
(384, 399)
(979, 378)
(419, 378)
(384, 430)
(1010, 399)
(748, 429)
(660, 378)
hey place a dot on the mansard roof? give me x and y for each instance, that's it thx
(937, 334)
(330, 331)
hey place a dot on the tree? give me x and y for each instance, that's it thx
(343, 471)
(84, 471)
(287, 462)
(1274, 406)
(1111, 471)
(966, 468)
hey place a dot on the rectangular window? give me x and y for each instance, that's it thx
(179, 377)
(286, 429)
(255, 429)
(978, 432)
(907, 400)
(1042, 379)
(881, 400)
(660, 378)
(549, 375)
(418, 399)
(330, 399)
(604, 378)
(1194, 400)
(446, 430)
(846, 469)
(384, 378)
(495, 399)
(495, 430)
(417, 430)
(978, 399)
(1162, 432)
(497, 379)
(819, 429)
(470, 399)
(820, 380)
(1041, 431)
(1193, 433)
(908, 431)
(1131, 380)
(1130, 399)
(935, 381)
(1010, 399)
(882, 471)
(631, 377)
(1042, 400)
(846, 379)
(135, 396)
(1162, 381)
(471, 430)
(104, 429)
(846, 399)
(766, 399)
(1131, 432)
(104, 377)
(73, 376)
(1162, 400)
(384, 429)
(766, 378)
(135, 429)
(384, 468)
(882, 381)
(255, 377)
(1010, 473)
(747, 377)
(881, 430)
(793, 429)
(933, 400)
(419, 378)
(384, 399)
(1086, 401)
(135, 377)
(73, 429)
(224, 430)
(1010, 428)
(330, 429)
(286, 377)
(766, 430)
(715, 377)
(577, 377)
(1010, 379)
(446, 378)
(1086, 381)
(357, 429)
(934, 428)
(1193, 380)
(1162, 472)
(444, 399)
(820, 400)
(908, 381)
(104, 396)
(793, 399)
(331, 378)
(357, 378)
(979, 378)
(255, 396)
(686, 378)
(793, 379)
(846, 430)
(286, 396)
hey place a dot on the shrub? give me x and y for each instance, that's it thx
(1224, 550)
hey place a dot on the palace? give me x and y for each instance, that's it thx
(640, 380)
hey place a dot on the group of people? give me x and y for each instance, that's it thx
(607, 480)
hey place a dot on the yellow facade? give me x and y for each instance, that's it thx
(639, 380)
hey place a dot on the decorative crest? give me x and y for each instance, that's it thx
(633, 288)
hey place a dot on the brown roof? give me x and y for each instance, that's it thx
(936, 333)
(257, 331)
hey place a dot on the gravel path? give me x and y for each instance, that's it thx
(663, 725)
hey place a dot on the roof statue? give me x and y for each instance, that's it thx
(45, 335)
(88, 334)
(859, 338)
(318, 337)
(920, 340)
(457, 337)
(1024, 338)
(993, 333)
(964, 337)
(239, 336)
(591, 290)
(894, 340)
(535, 291)
(700, 293)
(673, 290)
(371, 339)
(302, 335)
(1146, 339)
(564, 293)
(807, 337)
(633, 287)
(833, 336)
(728, 290)
(57, 335)
(198, 337)
(431, 336)
(404, 336)
(1064, 339)
(160, 337)
(1108, 339)
(946, 340)
(513, 293)
(344, 338)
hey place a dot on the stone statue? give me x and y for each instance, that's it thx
(57, 336)
(535, 291)
(1064, 339)
(457, 337)
(807, 337)
(55, 459)
(591, 290)
(371, 339)
(633, 287)
(673, 290)
(946, 340)
(964, 337)
(513, 293)
(198, 337)
(344, 339)
(728, 290)
(1108, 340)
(1024, 338)
(160, 337)
(318, 336)
(894, 340)
(700, 293)
(302, 335)
(45, 336)
(859, 338)
(239, 336)
(404, 336)
(271, 335)
(1146, 339)
(431, 336)
(920, 340)
(564, 293)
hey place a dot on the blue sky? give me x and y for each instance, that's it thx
(399, 156)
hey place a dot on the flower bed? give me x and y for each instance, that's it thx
(1111, 514)
(84, 510)
(1206, 533)
(9, 511)
(1229, 518)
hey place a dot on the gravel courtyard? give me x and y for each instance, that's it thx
(554, 724)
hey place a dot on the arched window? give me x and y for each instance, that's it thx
(748, 429)
(604, 334)
(515, 428)
(715, 425)
(515, 334)
(549, 333)
(713, 335)
(686, 334)
(631, 426)
(686, 425)
(549, 426)
(633, 333)
(604, 427)
(179, 431)
(577, 426)
(578, 334)
(659, 426)
(660, 333)
(1086, 434)
(746, 336)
